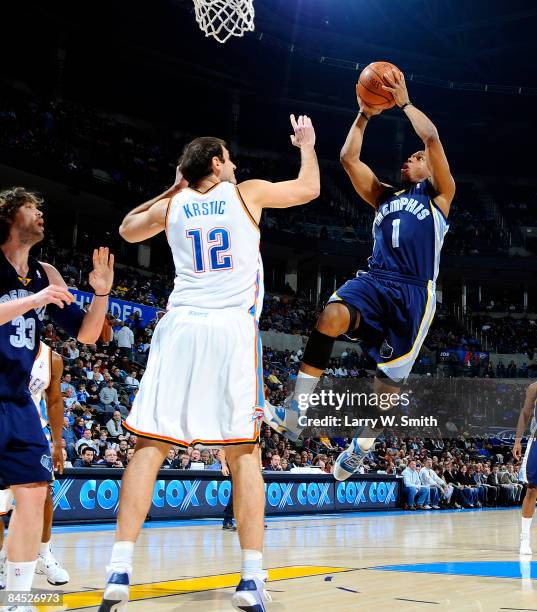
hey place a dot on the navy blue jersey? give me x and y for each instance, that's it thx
(19, 338)
(409, 231)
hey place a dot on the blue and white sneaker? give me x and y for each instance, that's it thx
(284, 419)
(116, 592)
(349, 461)
(251, 596)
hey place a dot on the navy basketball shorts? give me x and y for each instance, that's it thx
(528, 470)
(24, 450)
(395, 315)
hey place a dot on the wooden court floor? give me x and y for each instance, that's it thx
(465, 560)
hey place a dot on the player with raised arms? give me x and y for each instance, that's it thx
(45, 388)
(27, 288)
(391, 306)
(529, 464)
(204, 377)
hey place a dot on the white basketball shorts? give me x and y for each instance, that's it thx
(204, 380)
(6, 501)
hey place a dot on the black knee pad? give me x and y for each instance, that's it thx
(318, 350)
(353, 315)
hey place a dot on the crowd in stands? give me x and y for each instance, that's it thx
(139, 161)
(297, 315)
(507, 334)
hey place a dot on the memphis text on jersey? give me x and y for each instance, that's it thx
(410, 205)
(16, 294)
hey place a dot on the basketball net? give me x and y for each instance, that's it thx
(222, 19)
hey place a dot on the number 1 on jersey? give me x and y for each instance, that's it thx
(395, 233)
(219, 241)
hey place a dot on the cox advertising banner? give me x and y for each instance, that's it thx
(194, 495)
(119, 308)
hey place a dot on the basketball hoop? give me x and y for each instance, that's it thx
(222, 19)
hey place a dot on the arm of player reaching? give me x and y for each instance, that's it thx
(86, 327)
(434, 151)
(524, 417)
(55, 410)
(149, 219)
(363, 179)
(306, 187)
(53, 294)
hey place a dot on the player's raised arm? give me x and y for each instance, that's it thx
(305, 188)
(434, 151)
(149, 219)
(363, 179)
(55, 410)
(523, 419)
(85, 326)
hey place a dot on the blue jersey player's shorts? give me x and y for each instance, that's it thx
(528, 469)
(395, 315)
(24, 450)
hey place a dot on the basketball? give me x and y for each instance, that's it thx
(370, 85)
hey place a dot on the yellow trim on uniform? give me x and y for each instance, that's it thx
(399, 192)
(429, 294)
(184, 586)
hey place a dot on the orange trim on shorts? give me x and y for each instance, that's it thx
(246, 209)
(187, 444)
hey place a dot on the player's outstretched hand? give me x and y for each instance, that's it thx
(53, 294)
(396, 86)
(179, 184)
(517, 450)
(364, 108)
(304, 134)
(102, 275)
(57, 458)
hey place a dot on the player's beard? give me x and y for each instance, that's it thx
(31, 234)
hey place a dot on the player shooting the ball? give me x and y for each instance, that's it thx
(391, 306)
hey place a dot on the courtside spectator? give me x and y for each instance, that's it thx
(110, 459)
(417, 494)
(87, 457)
(275, 464)
(429, 478)
(169, 460)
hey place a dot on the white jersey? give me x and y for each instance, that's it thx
(40, 380)
(215, 246)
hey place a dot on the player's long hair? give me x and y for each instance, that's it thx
(10, 202)
(196, 161)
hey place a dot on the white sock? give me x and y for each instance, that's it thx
(304, 387)
(252, 564)
(366, 443)
(526, 525)
(44, 548)
(122, 553)
(20, 575)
